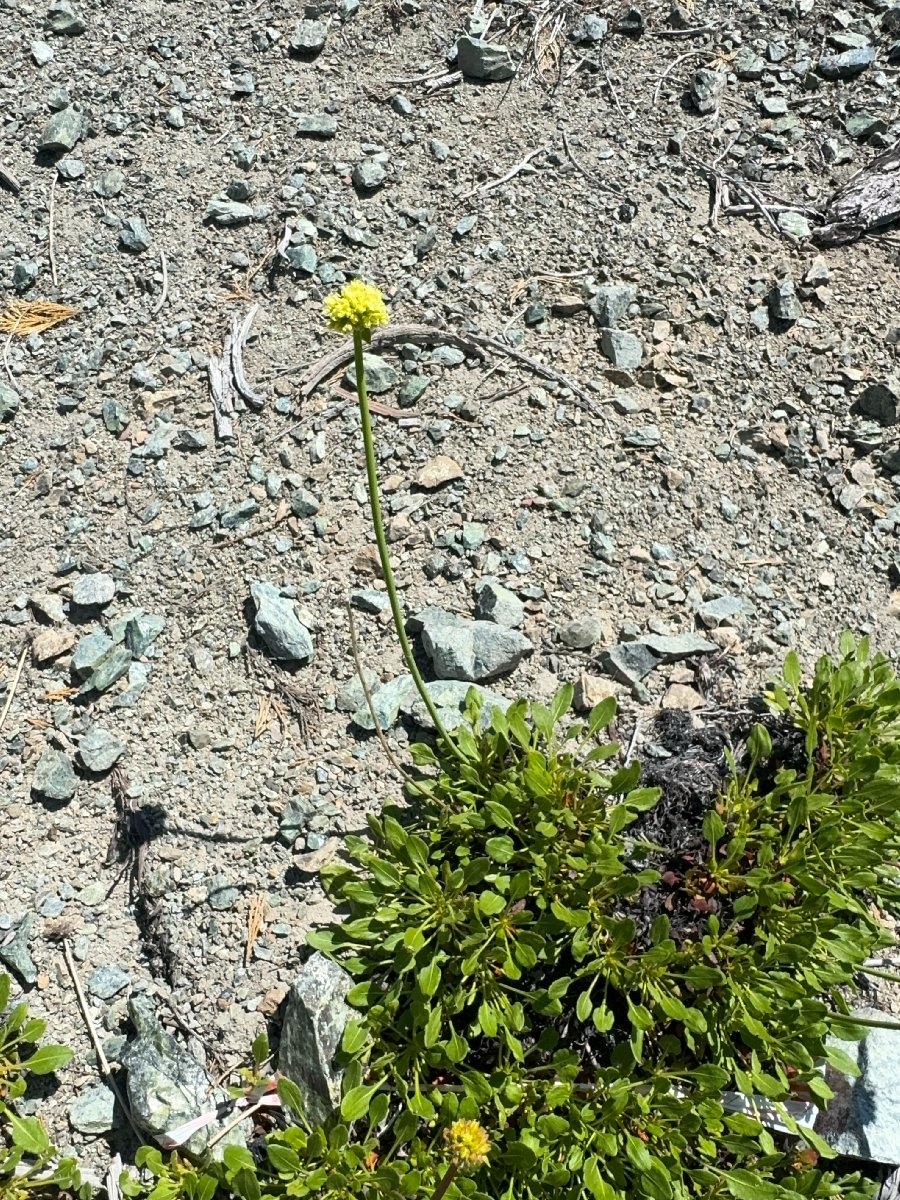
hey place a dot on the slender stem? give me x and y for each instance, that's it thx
(445, 1182)
(881, 974)
(867, 1022)
(383, 555)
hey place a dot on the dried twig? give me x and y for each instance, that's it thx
(13, 684)
(589, 176)
(221, 389)
(7, 178)
(50, 233)
(255, 919)
(247, 1112)
(696, 31)
(102, 1061)
(239, 331)
(510, 174)
(165, 284)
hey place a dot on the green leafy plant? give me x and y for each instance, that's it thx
(526, 957)
(29, 1163)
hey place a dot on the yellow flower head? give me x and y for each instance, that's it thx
(468, 1143)
(357, 308)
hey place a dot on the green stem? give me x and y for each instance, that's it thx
(881, 974)
(383, 555)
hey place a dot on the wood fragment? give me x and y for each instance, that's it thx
(510, 174)
(868, 202)
(165, 284)
(13, 684)
(222, 392)
(239, 331)
(9, 180)
(696, 31)
(255, 918)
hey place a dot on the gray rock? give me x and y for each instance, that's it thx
(14, 951)
(221, 894)
(93, 1112)
(380, 375)
(351, 695)
(723, 609)
(110, 184)
(370, 600)
(108, 669)
(447, 356)
(9, 403)
(316, 1016)
(863, 1119)
(63, 131)
(590, 30)
(309, 37)
(470, 650)
(368, 174)
(622, 349)
(226, 212)
(304, 503)
(99, 750)
(320, 125)
(706, 87)
(64, 20)
(387, 700)
(167, 1087)
(611, 302)
(795, 224)
(107, 981)
(25, 274)
(847, 65)
(70, 169)
(89, 652)
(881, 401)
(402, 105)
(93, 591)
(673, 647)
(302, 258)
(783, 302)
(141, 631)
(278, 625)
(134, 235)
(485, 60)
(54, 777)
(41, 53)
(449, 697)
(494, 602)
(748, 65)
(239, 514)
(582, 633)
(628, 662)
(412, 389)
(440, 151)
(175, 117)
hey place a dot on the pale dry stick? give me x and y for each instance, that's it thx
(165, 285)
(50, 233)
(609, 82)
(242, 1116)
(633, 742)
(7, 177)
(589, 176)
(102, 1060)
(510, 174)
(14, 683)
(697, 31)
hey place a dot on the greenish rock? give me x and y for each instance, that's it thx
(278, 625)
(623, 349)
(134, 235)
(141, 631)
(15, 954)
(316, 1016)
(99, 750)
(582, 633)
(387, 700)
(93, 894)
(881, 401)
(673, 647)
(167, 1087)
(241, 512)
(488, 61)
(107, 981)
(221, 895)
(319, 125)
(863, 1118)
(412, 388)
(724, 609)
(628, 662)
(94, 1111)
(309, 37)
(64, 20)
(748, 65)
(447, 356)
(370, 600)
(108, 669)
(368, 174)
(115, 416)
(783, 302)
(228, 212)
(846, 65)
(110, 184)
(450, 698)
(304, 503)
(70, 169)
(494, 602)
(9, 403)
(63, 131)
(470, 650)
(864, 124)
(54, 777)
(302, 258)
(89, 652)
(93, 591)
(795, 224)
(472, 535)
(380, 375)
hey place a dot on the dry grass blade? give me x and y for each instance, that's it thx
(23, 317)
(255, 918)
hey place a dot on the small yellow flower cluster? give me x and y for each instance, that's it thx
(468, 1143)
(357, 308)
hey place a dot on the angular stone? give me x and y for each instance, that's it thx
(628, 662)
(99, 750)
(14, 953)
(141, 631)
(41, 53)
(723, 608)
(108, 669)
(89, 652)
(673, 647)
(110, 184)
(93, 591)
(314, 1022)
(93, 1112)
(51, 643)
(846, 65)
(470, 650)
(583, 632)
(380, 375)
(370, 600)
(54, 777)
(681, 696)
(494, 602)
(412, 388)
(591, 690)
(107, 981)
(611, 302)
(221, 894)
(309, 37)
(134, 235)
(387, 699)
(368, 174)
(228, 212)
(449, 697)
(167, 1087)
(783, 302)
(321, 125)
(863, 1119)
(9, 402)
(485, 60)
(623, 349)
(63, 131)
(304, 503)
(278, 625)
(437, 471)
(794, 223)
(590, 30)
(302, 258)
(706, 87)
(64, 20)
(881, 401)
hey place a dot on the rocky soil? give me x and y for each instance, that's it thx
(648, 440)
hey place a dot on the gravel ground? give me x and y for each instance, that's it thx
(713, 462)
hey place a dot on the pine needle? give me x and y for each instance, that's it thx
(23, 317)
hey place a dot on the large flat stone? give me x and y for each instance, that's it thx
(471, 650)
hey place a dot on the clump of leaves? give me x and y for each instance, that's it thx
(517, 961)
(29, 1163)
